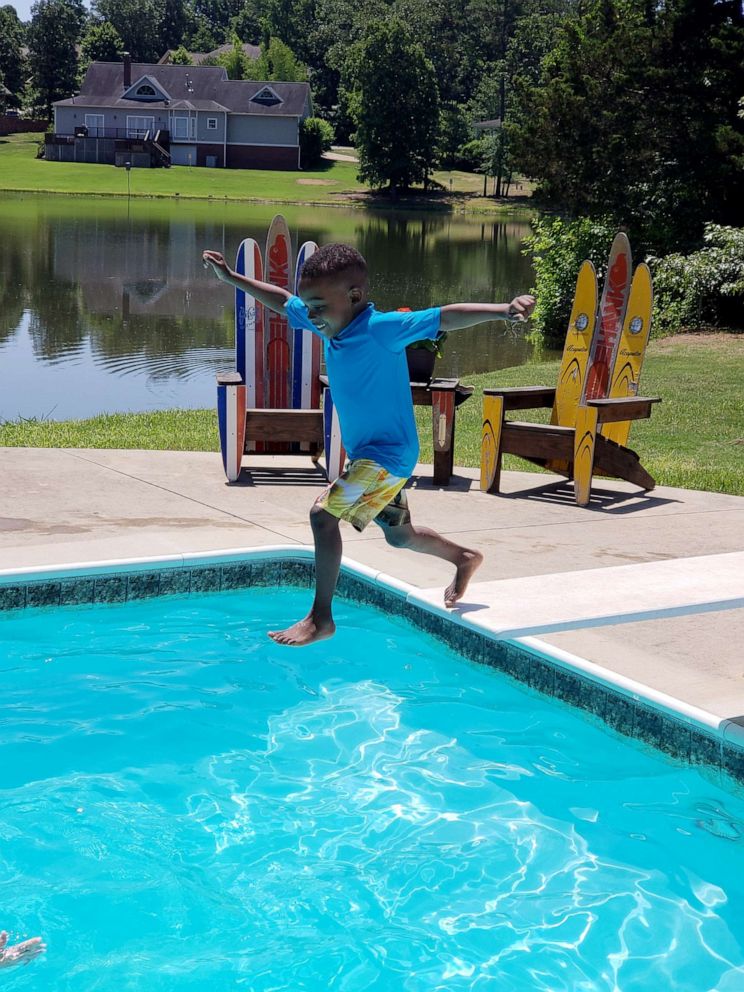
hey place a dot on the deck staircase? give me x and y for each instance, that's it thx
(161, 149)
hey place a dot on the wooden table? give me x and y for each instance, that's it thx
(444, 396)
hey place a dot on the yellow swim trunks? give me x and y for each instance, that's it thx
(366, 491)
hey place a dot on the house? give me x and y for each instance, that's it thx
(149, 115)
(250, 51)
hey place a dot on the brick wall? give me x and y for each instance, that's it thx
(261, 157)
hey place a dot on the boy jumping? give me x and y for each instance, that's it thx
(368, 373)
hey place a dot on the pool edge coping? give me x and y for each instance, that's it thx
(728, 734)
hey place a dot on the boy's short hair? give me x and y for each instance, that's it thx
(333, 260)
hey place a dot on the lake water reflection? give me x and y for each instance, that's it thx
(105, 305)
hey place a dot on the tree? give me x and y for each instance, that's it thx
(338, 26)
(396, 107)
(181, 57)
(290, 21)
(101, 43)
(635, 115)
(526, 33)
(235, 61)
(247, 23)
(12, 61)
(454, 132)
(55, 30)
(138, 25)
(213, 18)
(172, 26)
(201, 38)
(277, 62)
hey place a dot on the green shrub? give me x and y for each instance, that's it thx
(558, 247)
(454, 132)
(316, 137)
(703, 289)
(469, 157)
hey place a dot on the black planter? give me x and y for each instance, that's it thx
(420, 364)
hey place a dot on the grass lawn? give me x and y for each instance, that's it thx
(21, 171)
(335, 182)
(694, 440)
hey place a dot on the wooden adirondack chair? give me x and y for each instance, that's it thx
(596, 398)
(274, 401)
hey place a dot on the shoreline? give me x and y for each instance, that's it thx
(352, 201)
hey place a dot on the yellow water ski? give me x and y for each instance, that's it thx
(632, 348)
(575, 354)
(576, 348)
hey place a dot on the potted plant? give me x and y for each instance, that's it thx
(422, 355)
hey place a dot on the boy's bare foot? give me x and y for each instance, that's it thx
(470, 561)
(304, 632)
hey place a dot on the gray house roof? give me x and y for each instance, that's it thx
(187, 87)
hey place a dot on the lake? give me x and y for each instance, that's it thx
(105, 305)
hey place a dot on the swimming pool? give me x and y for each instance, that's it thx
(185, 805)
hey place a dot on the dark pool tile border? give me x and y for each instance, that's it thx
(110, 589)
(13, 597)
(143, 585)
(628, 715)
(174, 582)
(121, 587)
(76, 592)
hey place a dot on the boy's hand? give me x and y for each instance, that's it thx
(521, 307)
(19, 953)
(215, 260)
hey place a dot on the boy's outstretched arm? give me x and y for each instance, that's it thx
(457, 315)
(273, 297)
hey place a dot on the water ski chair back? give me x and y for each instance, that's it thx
(274, 401)
(596, 398)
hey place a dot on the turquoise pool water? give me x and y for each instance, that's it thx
(184, 805)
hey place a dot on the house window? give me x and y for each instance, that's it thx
(146, 90)
(211, 123)
(94, 123)
(137, 127)
(266, 97)
(182, 128)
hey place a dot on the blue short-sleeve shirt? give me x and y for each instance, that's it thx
(368, 374)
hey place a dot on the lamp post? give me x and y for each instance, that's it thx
(128, 166)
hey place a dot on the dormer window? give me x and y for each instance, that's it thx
(145, 89)
(266, 97)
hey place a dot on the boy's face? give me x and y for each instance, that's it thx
(333, 301)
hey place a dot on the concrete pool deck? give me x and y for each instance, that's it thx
(650, 587)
